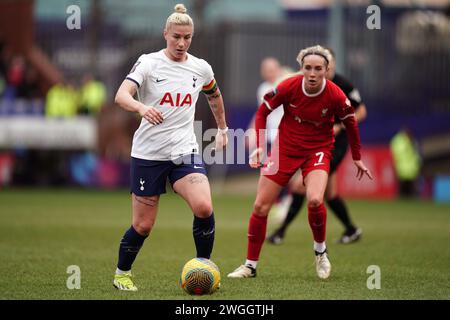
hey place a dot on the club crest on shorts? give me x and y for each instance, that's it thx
(142, 184)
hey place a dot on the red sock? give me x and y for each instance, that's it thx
(256, 235)
(317, 217)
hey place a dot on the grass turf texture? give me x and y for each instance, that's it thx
(42, 232)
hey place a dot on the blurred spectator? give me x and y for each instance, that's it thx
(15, 76)
(19, 84)
(2, 67)
(93, 95)
(16, 71)
(407, 162)
(29, 89)
(61, 101)
(2, 84)
(3, 59)
(271, 71)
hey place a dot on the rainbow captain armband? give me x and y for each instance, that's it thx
(210, 87)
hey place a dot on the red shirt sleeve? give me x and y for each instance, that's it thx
(346, 114)
(271, 101)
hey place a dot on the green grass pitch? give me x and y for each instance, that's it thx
(42, 232)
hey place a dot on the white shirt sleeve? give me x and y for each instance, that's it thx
(209, 74)
(140, 71)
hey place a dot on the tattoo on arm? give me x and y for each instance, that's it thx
(216, 105)
(148, 201)
(197, 179)
(212, 100)
(213, 96)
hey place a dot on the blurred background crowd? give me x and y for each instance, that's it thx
(59, 124)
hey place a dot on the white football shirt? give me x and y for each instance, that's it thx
(173, 88)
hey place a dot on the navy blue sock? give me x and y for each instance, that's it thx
(203, 231)
(129, 248)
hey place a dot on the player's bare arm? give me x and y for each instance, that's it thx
(351, 127)
(124, 98)
(216, 104)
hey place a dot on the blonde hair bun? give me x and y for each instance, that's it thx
(180, 8)
(179, 17)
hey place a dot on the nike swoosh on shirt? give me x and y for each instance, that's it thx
(292, 105)
(160, 80)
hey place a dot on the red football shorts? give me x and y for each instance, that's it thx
(280, 168)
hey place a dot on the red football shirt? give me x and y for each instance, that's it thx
(308, 119)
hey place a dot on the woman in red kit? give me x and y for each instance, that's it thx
(305, 141)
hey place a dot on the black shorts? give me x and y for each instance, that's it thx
(148, 177)
(339, 151)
